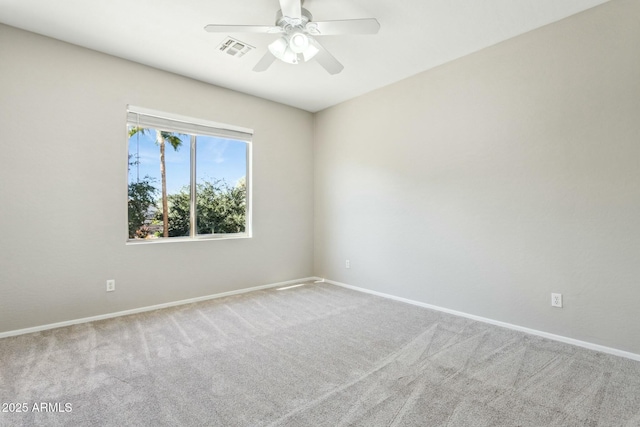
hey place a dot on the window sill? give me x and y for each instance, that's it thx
(163, 240)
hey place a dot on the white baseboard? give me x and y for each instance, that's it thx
(585, 344)
(149, 308)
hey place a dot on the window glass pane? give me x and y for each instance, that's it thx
(157, 181)
(221, 200)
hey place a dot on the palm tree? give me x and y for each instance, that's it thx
(162, 138)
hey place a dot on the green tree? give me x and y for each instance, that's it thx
(141, 198)
(179, 215)
(220, 209)
(162, 138)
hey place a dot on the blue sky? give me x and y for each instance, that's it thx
(216, 158)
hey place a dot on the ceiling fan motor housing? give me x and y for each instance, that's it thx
(287, 22)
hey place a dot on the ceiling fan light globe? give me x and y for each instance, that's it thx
(299, 42)
(279, 47)
(290, 56)
(281, 50)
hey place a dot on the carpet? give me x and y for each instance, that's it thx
(313, 355)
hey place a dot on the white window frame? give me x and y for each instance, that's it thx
(148, 118)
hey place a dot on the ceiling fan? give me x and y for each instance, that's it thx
(298, 36)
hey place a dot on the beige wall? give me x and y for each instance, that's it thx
(486, 184)
(63, 187)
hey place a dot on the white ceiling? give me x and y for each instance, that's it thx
(415, 35)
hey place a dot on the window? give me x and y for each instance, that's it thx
(188, 178)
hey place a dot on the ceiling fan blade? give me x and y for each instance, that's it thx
(265, 62)
(349, 26)
(291, 8)
(328, 62)
(270, 29)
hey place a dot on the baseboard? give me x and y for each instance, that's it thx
(554, 337)
(149, 308)
(567, 340)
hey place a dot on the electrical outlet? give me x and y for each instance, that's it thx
(556, 300)
(111, 285)
(347, 264)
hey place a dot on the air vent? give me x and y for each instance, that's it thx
(234, 47)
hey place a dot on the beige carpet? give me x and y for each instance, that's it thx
(316, 355)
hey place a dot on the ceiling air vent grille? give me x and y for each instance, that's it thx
(234, 47)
